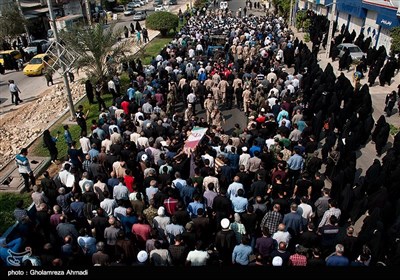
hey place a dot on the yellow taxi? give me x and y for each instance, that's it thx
(5, 56)
(37, 65)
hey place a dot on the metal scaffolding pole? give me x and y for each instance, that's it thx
(64, 70)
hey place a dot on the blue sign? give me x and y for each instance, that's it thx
(387, 20)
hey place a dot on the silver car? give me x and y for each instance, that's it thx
(33, 46)
(355, 52)
(139, 15)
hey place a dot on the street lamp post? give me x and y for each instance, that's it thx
(331, 23)
(64, 70)
(291, 13)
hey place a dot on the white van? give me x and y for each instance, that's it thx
(223, 5)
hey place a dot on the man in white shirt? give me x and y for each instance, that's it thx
(111, 88)
(244, 158)
(191, 99)
(197, 257)
(85, 143)
(209, 157)
(305, 209)
(106, 143)
(234, 187)
(199, 48)
(282, 235)
(15, 91)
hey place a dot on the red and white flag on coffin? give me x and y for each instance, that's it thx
(195, 137)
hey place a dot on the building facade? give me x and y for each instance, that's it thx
(37, 13)
(374, 18)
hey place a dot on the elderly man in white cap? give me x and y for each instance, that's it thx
(161, 221)
(142, 258)
(244, 158)
(225, 242)
(271, 77)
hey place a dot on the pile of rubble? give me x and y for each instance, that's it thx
(21, 127)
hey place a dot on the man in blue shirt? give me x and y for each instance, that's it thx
(295, 165)
(241, 253)
(130, 92)
(337, 258)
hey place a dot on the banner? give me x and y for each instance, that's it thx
(195, 137)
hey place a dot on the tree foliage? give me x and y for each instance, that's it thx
(283, 7)
(124, 2)
(200, 4)
(11, 21)
(395, 34)
(98, 50)
(162, 21)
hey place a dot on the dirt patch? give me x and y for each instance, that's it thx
(21, 127)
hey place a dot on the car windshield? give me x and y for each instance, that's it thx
(36, 61)
(354, 49)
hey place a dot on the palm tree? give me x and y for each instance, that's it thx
(98, 50)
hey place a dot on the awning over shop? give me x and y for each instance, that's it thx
(40, 11)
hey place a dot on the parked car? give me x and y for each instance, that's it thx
(157, 2)
(133, 5)
(33, 46)
(37, 66)
(118, 9)
(139, 15)
(355, 52)
(129, 11)
(160, 8)
(6, 58)
(172, 2)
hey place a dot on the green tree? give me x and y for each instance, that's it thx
(124, 2)
(282, 7)
(11, 21)
(162, 21)
(199, 4)
(98, 50)
(301, 16)
(395, 34)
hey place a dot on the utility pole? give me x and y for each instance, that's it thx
(59, 51)
(331, 23)
(22, 15)
(291, 13)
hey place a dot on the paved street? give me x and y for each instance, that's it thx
(33, 86)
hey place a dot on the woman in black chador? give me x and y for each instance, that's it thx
(50, 143)
(345, 60)
(380, 134)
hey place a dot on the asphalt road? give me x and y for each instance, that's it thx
(32, 87)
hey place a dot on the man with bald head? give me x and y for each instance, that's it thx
(234, 187)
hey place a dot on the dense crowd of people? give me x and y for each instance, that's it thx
(132, 194)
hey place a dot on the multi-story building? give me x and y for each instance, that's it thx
(37, 13)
